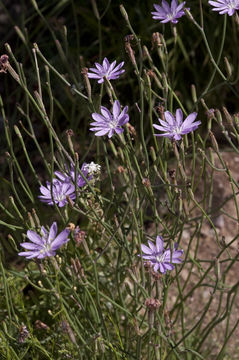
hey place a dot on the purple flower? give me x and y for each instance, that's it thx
(106, 70)
(165, 13)
(60, 191)
(44, 245)
(225, 6)
(175, 127)
(109, 123)
(160, 258)
(69, 175)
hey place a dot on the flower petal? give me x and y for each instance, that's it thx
(159, 244)
(31, 246)
(61, 239)
(116, 109)
(52, 232)
(34, 237)
(169, 118)
(146, 250)
(179, 117)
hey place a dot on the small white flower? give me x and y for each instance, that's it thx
(92, 168)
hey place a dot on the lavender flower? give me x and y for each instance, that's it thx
(106, 70)
(165, 13)
(160, 258)
(225, 6)
(60, 191)
(70, 179)
(44, 245)
(174, 128)
(109, 123)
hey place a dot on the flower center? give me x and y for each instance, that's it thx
(46, 247)
(160, 258)
(176, 130)
(232, 4)
(113, 123)
(60, 197)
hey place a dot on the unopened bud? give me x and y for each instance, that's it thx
(219, 117)
(236, 119)
(228, 116)
(37, 221)
(95, 9)
(165, 83)
(228, 67)
(194, 93)
(69, 134)
(147, 55)
(153, 154)
(124, 13)
(17, 131)
(214, 142)
(218, 269)
(31, 220)
(113, 148)
(84, 73)
(130, 52)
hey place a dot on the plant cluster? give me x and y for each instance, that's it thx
(105, 222)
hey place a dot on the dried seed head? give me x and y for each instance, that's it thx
(156, 276)
(79, 236)
(152, 304)
(151, 73)
(71, 227)
(4, 63)
(146, 182)
(172, 173)
(156, 41)
(41, 325)
(69, 132)
(70, 202)
(131, 129)
(120, 169)
(23, 334)
(147, 266)
(160, 109)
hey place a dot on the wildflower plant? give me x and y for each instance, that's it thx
(109, 123)
(79, 278)
(45, 244)
(159, 258)
(225, 6)
(56, 192)
(106, 70)
(168, 13)
(174, 127)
